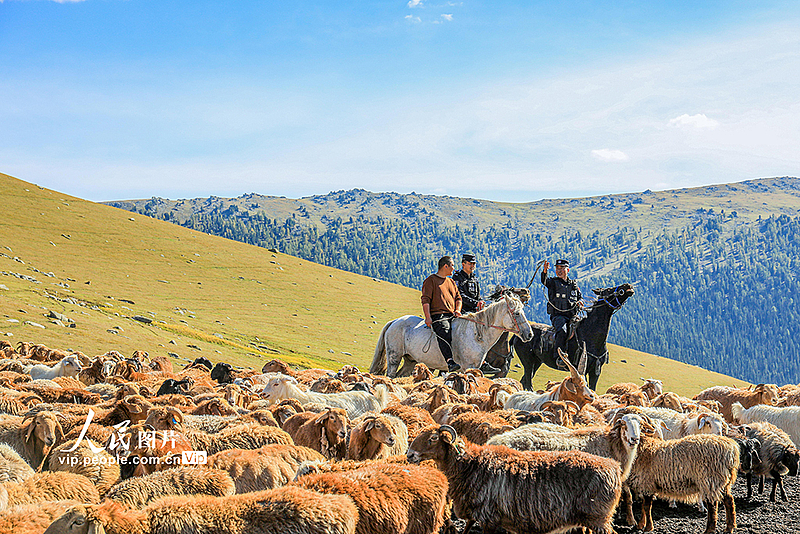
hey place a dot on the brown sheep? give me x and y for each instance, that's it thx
(416, 419)
(33, 436)
(161, 364)
(391, 498)
(325, 433)
(216, 406)
(375, 436)
(94, 373)
(669, 400)
(265, 468)
(48, 486)
(151, 450)
(479, 427)
(564, 411)
(446, 412)
(306, 376)
(101, 468)
(726, 396)
(138, 492)
(33, 518)
(262, 417)
(327, 384)
(439, 395)
(421, 373)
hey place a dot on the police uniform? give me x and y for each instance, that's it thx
(468, 286)
(562, 303)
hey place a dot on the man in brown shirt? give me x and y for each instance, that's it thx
(441, 302)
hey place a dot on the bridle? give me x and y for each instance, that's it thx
(516, 330)
(616, 294)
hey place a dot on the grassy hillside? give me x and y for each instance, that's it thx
(101, 266)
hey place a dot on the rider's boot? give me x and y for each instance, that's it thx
(452, 366)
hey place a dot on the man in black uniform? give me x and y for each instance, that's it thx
(470, 291)
(564, 299)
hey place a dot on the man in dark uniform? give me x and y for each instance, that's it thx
(470, 291)
(564, 300)
(441, 302)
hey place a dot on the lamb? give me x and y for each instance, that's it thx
(391, 498)
(573, 388)
(377, 436)
(43, 487)
(354, 402)
(138, 492)
(288, 509)
(786, 418)
(679, 425)
(68, 366)
(324, 432)
(522, 491)
(778, 457)
(694, 467)
(12, 467)
(265, 468)
(32, 436)
(726, 396)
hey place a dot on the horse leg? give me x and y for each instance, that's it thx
(594, 375)
(531, 366)
(392, 363)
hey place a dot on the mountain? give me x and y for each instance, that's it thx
(714, 266)
(128, 282)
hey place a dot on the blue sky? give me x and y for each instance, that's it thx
(113, 99)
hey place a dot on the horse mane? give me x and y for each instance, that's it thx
(486, 317)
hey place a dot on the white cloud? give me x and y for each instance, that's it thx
(699, 121)
(447, 16)
(414, 3)
(412, 18)
(606, 154)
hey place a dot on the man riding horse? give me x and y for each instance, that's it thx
(564, 301)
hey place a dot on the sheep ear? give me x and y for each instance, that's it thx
(95, 527)
(29, 433)
(570, 386)
(702, 421)
(321, 419)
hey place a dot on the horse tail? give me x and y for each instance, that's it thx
(378, 366)
(382, 394)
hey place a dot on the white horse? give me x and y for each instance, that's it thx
(408, 338)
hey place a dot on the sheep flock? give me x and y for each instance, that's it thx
(114, 444)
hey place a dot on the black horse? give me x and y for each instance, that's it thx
(592, 330)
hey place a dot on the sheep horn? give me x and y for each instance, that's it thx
(574, 405)
(572, 370)
(545, 405)
(449, 430)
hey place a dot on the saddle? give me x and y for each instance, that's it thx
(550, 333)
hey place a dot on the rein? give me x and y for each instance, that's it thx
(517, 330)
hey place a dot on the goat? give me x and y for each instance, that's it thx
(573, 388)
(726, 396)
(324, 432)
(522, 491)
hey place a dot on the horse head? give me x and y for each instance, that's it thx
(615, 297)
(517, 314)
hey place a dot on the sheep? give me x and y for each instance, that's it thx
(679, 425)
(161, 364)
(437, 396)
(265, 468)
(726, 396)
(668, 400)
(324, 432)
(573, 388)
(391, 498)
(262, 417)
(288, 509)
(138, 492)
(652, 388)
(478, 427)
(216, 406)
(564, 412)
(522, 491)
(619, 442)
(32, 518)
(306, 376)
(42, 487)
(170, 386)
(446, 412)
(416, 419)
(354, 402)
(377, 436)
(133, 408)
(94, 373)
(327, 384)
(12, 467)
(778, 457)
(786, 418)
(246, 436)
(99, 467)
(32, 436)
(694, 467)
(68, 366)
(421, 373)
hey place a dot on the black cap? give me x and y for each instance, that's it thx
(559, 263)
(468, 258)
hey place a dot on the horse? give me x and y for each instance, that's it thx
(592, 330)
(409, 340)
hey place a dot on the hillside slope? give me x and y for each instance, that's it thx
(715, 267)
(205, 295)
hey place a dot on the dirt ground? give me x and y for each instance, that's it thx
(756, 516)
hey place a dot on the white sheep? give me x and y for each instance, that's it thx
(678, 425)
(786, 418)
(68, 366)
(355, 403)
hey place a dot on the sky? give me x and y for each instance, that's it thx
(500, 100)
